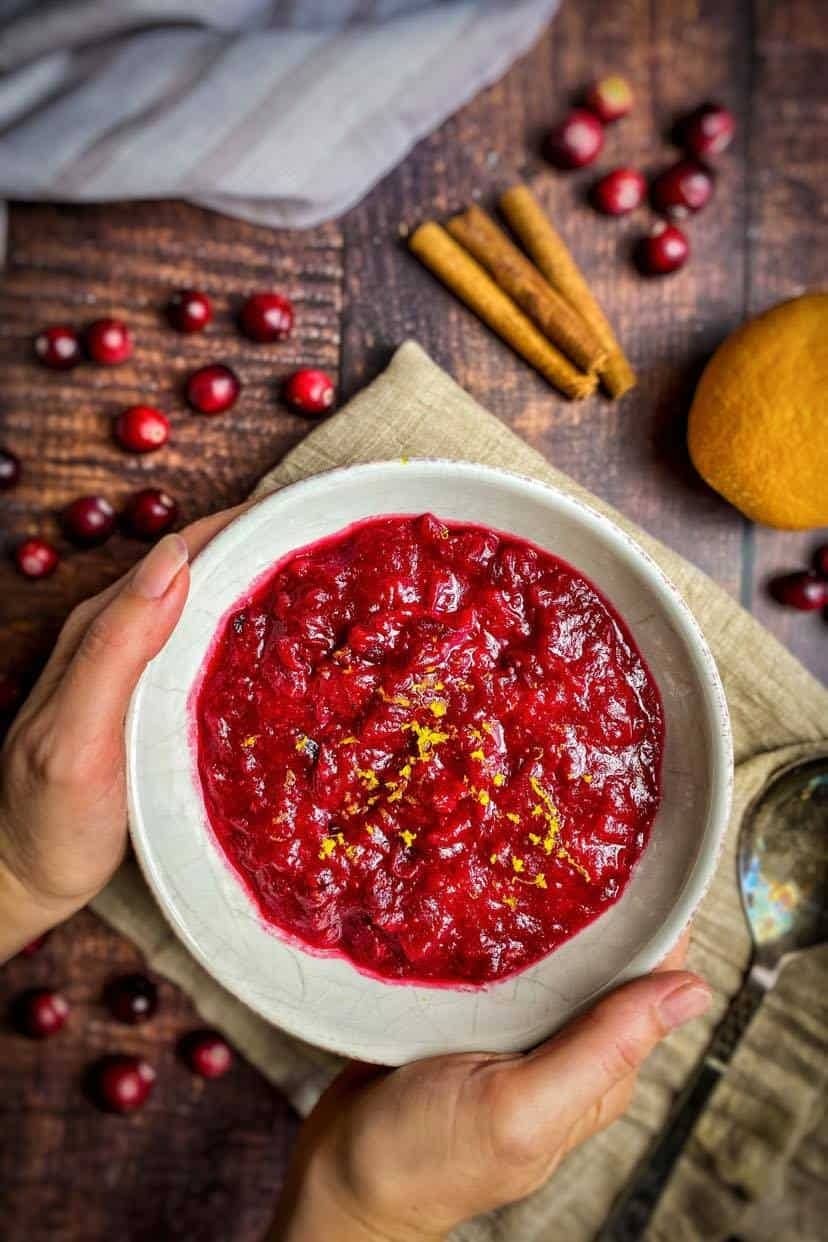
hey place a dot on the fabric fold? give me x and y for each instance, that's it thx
(281, 113)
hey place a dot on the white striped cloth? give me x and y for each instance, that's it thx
(283, 112)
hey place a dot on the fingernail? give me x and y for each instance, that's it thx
(158, 568)
(686, 1002)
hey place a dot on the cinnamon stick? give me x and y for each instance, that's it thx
(515, 275)
(550, 254)
(472, 284)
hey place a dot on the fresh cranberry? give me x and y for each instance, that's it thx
(142, 428)
(206, 1053)
(131, 998)
(682, 189)
(189, 310)
(35, 558)
(89, 520)
(620, 191)
(821, 560)
(576, 142)
(267, 317)
(121, 1083)
(9, 469)
(213, 389)
(311, 392)
(40, 1012)
(108, 341)
(803, 590)
(150, 512)
(664, 250)
(58, 347)
(34, 946)
(609, 98)
(708, 130)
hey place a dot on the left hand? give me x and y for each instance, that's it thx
(62, 775)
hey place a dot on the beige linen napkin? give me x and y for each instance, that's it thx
(762, 1120)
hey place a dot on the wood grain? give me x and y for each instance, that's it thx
(631, 452)
(202, 1163)
(74, 264)
(787, 254)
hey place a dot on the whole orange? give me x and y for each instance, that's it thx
(758, 430)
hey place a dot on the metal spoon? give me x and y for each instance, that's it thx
(783, 880)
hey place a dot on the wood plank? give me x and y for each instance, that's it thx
(631, 453)
(203, 1155)
(789, 160)
(202, 1160)
(73, 264)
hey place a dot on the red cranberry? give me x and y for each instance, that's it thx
(150, 512)
(34, 946)
(682, 189)
(108, 341)
(58, 347)
(609, 98)
(664, 250)
(121, 1083)
(131, 998)
(189, 310)
(89, 520)
(708, 130)
(142, 428)
(620, 191)
(213, 389)
(206, 1053)
(311, 392)
(803, 590)
(40, 1012)
(267, 317)
(576, 141)
(9, 469)
(35, 558)
(821, 560)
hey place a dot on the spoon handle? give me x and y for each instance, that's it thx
(631, 1213)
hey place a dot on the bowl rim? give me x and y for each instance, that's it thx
(715, 711)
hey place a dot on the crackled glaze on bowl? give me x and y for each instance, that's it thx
(324, 999)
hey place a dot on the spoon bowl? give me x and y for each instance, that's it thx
(783, 863)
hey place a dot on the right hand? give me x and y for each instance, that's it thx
(407, 1155)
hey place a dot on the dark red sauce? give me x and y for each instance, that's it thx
(430, 748)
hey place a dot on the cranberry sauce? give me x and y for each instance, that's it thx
(430, 748)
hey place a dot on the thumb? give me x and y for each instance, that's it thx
(569, 1074)
(119, 643)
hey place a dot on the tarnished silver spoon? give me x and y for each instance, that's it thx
(783, 879)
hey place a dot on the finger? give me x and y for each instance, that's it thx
(609, 1107)
(676, 957)
(604, 1111)
(199, 533)
(568, 1075)
(196, 536)
(92, 698)
(68, 641)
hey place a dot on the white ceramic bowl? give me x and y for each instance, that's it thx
(324, 999)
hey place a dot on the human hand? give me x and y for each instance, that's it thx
(407, 1155)
(62, 779)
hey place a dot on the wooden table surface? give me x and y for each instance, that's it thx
(204, 1161)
